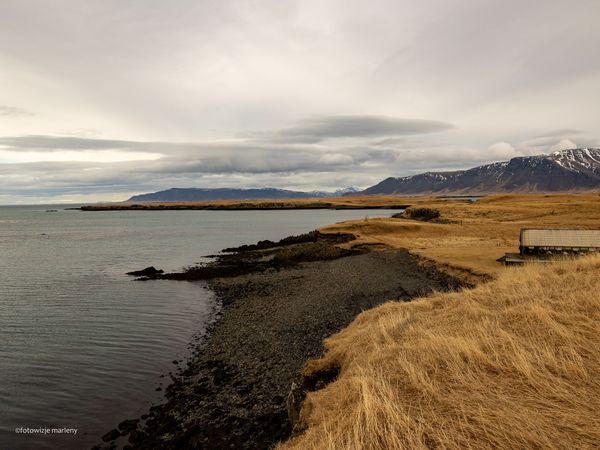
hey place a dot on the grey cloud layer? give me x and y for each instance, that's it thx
(366, 155)
(320, 128)
(219, 89)
(307, 131)
(354, 150)
(299, 151)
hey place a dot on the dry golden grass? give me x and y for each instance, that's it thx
(511, 364)
(480, 232)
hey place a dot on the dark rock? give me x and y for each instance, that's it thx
(147, 272)
(128, 425)
(267, 255)
(137, 436)
(111, 435)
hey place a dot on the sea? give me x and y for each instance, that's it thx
(82, 345)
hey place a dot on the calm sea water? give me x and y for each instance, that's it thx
(81, 344)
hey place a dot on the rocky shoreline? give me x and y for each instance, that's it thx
(279, 301)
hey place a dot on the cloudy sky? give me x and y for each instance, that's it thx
(102, 99)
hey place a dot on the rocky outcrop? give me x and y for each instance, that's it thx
(147, 272)
(264, 255)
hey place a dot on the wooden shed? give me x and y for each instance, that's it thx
(539, 241)
(540, 245)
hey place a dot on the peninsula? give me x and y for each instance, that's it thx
(360, 202)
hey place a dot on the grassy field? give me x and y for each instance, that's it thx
(510, 364)
(513, 363)
(476, 233)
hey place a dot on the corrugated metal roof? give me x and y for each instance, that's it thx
(560, 238)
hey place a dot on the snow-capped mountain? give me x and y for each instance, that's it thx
(566, 170)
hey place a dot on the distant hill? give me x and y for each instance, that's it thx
(561, 171)
(199, 194)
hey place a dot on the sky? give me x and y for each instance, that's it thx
(104, 99)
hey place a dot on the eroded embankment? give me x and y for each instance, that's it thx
(280, 300)
(511, 364)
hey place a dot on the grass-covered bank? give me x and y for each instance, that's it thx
(513, 363)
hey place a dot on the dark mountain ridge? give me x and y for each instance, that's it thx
(207, 194)
(570, 170)
(561, 171)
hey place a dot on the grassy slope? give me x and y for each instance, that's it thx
(514, 363)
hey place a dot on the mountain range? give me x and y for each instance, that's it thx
(208, 194)
(561, 171)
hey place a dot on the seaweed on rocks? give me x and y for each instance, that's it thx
(313, 246)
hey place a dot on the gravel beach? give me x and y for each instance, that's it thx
(233, 393)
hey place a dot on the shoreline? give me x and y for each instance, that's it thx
(236, 207)
(235, 390)
(336, 203)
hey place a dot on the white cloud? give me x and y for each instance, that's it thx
(502, 150)
(13, 111)
(101, 156)
(564, 144)
(336, 159)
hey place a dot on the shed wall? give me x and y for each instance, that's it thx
(560, 238)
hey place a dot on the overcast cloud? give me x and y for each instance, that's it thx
(104, 99)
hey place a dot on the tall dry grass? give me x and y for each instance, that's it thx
(511, 364)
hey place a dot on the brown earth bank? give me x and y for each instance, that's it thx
(279, 301)
(510, 364)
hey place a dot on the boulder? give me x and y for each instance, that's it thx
(111, 435)
(128, 426)
(147, 272)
